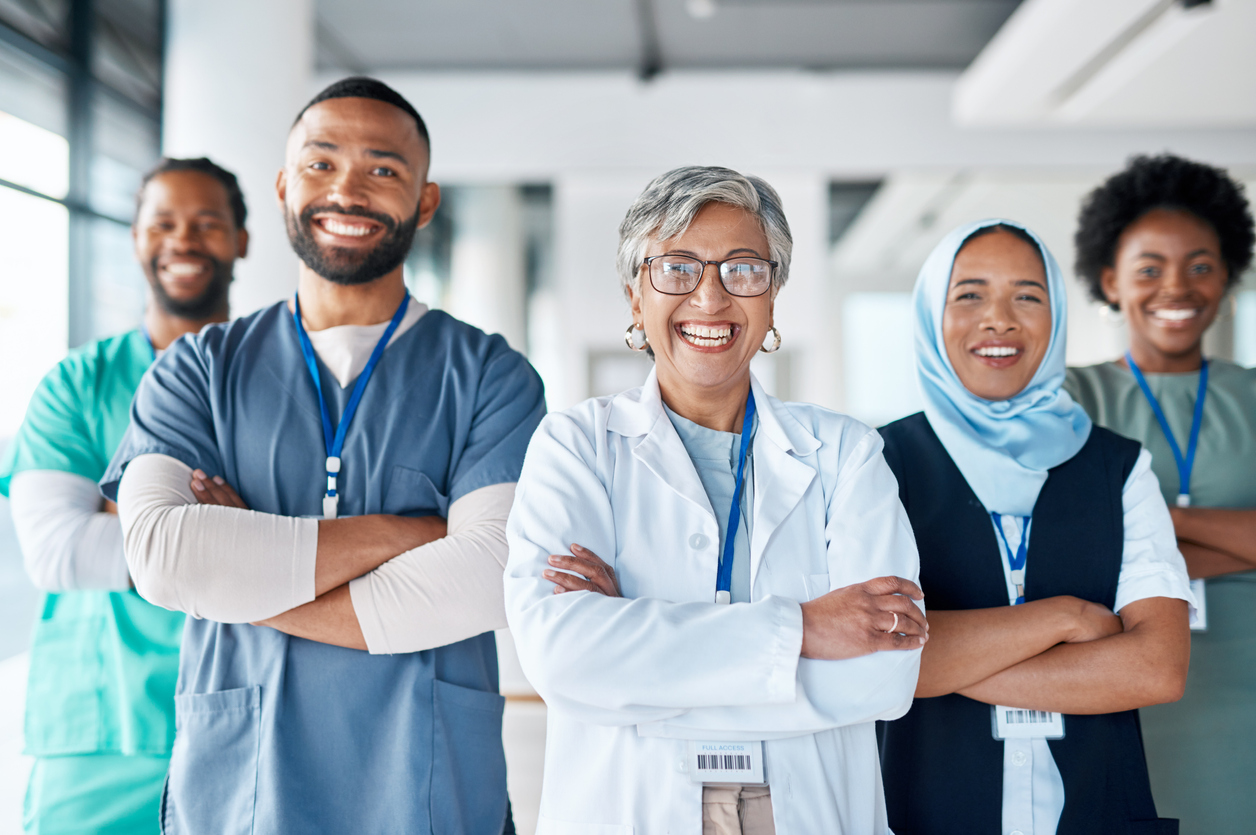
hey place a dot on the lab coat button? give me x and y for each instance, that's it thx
(1019, 758)
(1016, 832)
(698, 541)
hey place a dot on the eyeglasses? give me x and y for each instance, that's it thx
(676, 275)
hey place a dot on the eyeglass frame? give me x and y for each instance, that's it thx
(772, 265)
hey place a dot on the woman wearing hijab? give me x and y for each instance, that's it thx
(1163, 243)
(1034, 528)
(739, 606)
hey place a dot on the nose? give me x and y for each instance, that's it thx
(709, 295)
(346, 188)
(999, 318)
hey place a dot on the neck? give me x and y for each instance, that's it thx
(164, 328)
(721, 408)
(1152, 361)
(325, 304)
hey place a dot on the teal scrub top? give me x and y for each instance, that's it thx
(103, 664)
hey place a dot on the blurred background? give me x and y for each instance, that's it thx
(882, 123)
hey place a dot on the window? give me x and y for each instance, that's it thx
(878, 357)
(1245, 329)
(80, 112)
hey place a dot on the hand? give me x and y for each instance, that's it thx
(595, 575)
(109, 507)
(1090, 621)
(856, 620)
(215, 491)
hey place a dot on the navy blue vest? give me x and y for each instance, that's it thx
(942, 767)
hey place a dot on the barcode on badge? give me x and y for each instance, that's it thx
(724, 762)
(1026, 717)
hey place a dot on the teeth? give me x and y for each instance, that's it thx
(705, 336)
(337, 228)
(998, 351)
(1176, 315)
(183, 268)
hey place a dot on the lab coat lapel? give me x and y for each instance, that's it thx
(639, 412)
(780, 479)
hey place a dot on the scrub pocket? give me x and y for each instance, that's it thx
(468, 762)
(212, 786)
(412, 493)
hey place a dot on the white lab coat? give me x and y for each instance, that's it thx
(628, 680)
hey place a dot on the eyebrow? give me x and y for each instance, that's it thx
(729, 254)
(375, 153)
(1156, 256)
(210, 212)
(1024, 282)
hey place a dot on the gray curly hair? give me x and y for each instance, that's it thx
(669, 204)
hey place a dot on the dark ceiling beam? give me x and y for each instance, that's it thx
(651, 63)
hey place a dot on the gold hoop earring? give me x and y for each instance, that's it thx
(776, 342)
(1112, 316)
(632, 345)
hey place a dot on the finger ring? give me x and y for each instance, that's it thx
(894, 628)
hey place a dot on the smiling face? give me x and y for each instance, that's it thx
(1169, 278)
(187, 242)
(354, 189)
(703, 341)
(997, 321)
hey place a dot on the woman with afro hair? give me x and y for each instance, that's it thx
(1163, 243)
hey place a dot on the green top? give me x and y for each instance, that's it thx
(1201, 750)
(103, 664)
(1224, 474)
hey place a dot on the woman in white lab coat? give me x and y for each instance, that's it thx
(639, 518)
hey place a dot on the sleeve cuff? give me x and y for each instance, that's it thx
(1162, 583)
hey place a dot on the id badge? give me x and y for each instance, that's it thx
(1199, 589)
(1021, 723)
(725, 762)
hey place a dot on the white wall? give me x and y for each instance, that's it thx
(600, 137)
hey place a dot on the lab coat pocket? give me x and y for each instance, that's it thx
(817, 586)
(212, 782)
(468, 763)
(412, 493)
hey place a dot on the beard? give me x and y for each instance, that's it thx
(213, 299)
(342, 265)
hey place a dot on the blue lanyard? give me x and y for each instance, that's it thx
(334, 439)
(724, 578)
(1016, 562)
(1185, 463)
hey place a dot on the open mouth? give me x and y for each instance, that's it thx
(998, 356)
(1176, 314)
(716, 335)
(346, 227)
(185, 269)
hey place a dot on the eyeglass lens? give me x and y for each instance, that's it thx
(680, 274)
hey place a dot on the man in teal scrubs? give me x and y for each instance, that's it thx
(100, 699)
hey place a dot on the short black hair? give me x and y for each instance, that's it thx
(1161, 182)
(363, 87)
(235, 197)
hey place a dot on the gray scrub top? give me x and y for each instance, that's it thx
(1201, 751)
(714, 455)
(279, 734)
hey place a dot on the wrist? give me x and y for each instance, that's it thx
(1068, 620)
(807, 632)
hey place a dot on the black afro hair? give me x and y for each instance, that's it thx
(1169, 182)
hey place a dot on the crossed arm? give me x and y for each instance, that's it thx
(193, 546)
(1216, 541)
(1060, 654)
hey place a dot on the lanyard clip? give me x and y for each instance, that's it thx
(1184, 500)
(722, 596)
(330, 505)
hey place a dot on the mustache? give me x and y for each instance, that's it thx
(307, 215)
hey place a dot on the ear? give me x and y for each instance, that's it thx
(281, 187)
(429, 202)
(1107, 281)
(242, 243)
(634, 304)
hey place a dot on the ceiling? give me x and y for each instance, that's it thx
(652, 36)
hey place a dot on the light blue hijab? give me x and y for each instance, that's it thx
(1003, 447)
